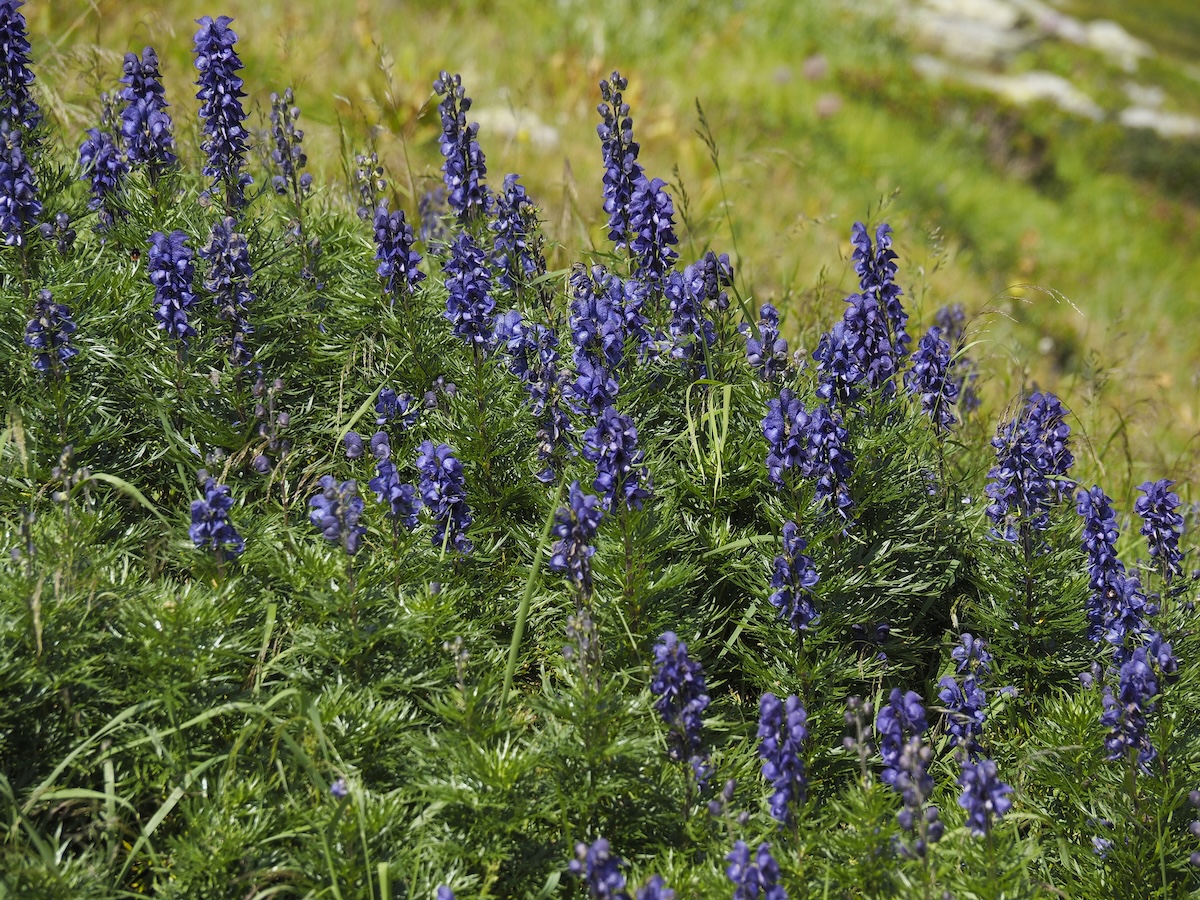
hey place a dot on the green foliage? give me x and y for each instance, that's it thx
(296, 722)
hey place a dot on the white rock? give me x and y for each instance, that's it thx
(1116, 43)
(1169, 125)
(994, 13)
(1029, 87)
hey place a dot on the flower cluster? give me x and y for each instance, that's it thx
(221, 108)
(210, 520)
(288, 153)
(104, 169)
(682, 698)
(767, 353)
(336, 510)
(172, 274)
(782, 732)
(690, 330)
(1032, 460)
(469, 303)
(876, 268)
(402, 499)
(966, 703)
(17, 106)
(59, 231)
(20, 205)
(753, 880)
(900, 719)
(369, 183)
(443, 488)
(1125, 714)
(575, 527)
(793, 580)
(1161, 525)
(915, 785)
(858, 349)
(620, 475)
(518, 253)
(930, 379)
(952, 321)
(984, 795)
(829, 460)
(815, 444)
(600, 870)
(392, 407)
(606, 314)
(48, 333)
(652, 226)
(1116, 609)
(465, 168)
(621, 168)
(271, 422)
(228, 280)
(398, 260)
(145, 123)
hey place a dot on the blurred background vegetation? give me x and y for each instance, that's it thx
(1072, 239)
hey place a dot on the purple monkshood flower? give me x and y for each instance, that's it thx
(652, 226)
(876, 268)
(172, 273)
(518, 255)
(394, 251)
(444, 893)
(899, 720)
(600, 870)
(794, 578)
(529, 347)
(655, 889)
(690, 330)
(856, 352)
(103, 169)
(469, 303)
(1116, 608)
(210, 521)
(829, 460)
(1033, 457)
(465, 168)
(145, 122)
(786, 429)
(952, 320)
(221, 109)
(984, 795)
(1125, 714)
(930, 379)
(48, 333)
(391, 407)
(620, 151)
(767, 353)
(17, 106)
(915, 786)
(966, 711)
(575, 527)
(781, 734)
(754, 879)
(339, 790)
(682, 698)
(620, 474)
(228, 280)
(971, 654)
(402, 499)
(287, 154)
(1162, 526)
(606, 312)
(336, 510)
(353, 443)
(443, 487)
(20, 206)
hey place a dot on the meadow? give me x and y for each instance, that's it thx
(739, 502)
